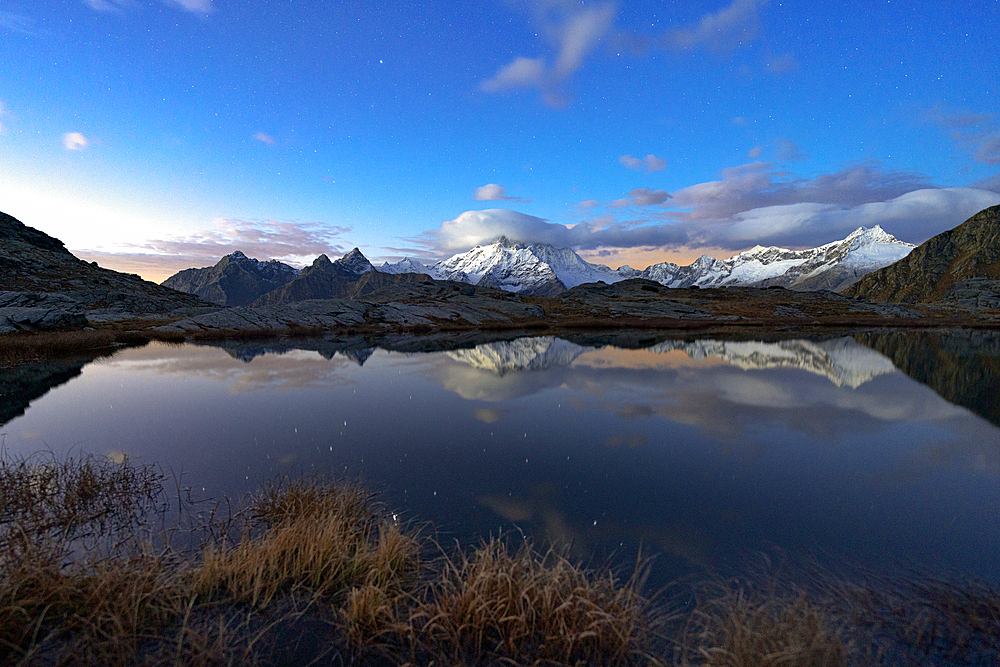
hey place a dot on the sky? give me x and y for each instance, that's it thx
(157, 135)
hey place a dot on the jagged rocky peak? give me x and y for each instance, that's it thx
(355, 262)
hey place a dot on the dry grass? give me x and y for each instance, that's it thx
(318, 569)
(498, 605)
(743, 627)
(315, 537)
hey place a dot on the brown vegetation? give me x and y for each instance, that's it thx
(312, 569)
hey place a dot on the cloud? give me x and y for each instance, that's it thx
(914, 216)
(109, 5)
(19, 23)
(755, 152)
(978, 133)
(574, 33)
(760, 184)
(781, 64)
(648, 164)
(74, 141)
(290, 241)
(752, 203)
(265, 138)
(732, 26)
(199, 6)
(494, 192)
(480, 227)
(788, 151)
(642, 197)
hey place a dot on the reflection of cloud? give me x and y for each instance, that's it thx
(552, 515)
(296, 369)
(627, 440)
(488, 415)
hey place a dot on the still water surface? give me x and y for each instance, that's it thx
(707, 453)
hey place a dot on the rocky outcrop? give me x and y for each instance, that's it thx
(936, 270)
(421, 303)
(20, 311)
(236, 280)
(38, 267)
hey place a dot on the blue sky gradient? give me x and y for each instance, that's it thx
(155, 135)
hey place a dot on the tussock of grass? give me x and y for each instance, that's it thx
(320, 538)
(499, 605)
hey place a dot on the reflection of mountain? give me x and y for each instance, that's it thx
(523, 354)
(357, 350)
(961, 365)
(23, 384)
(842, 360)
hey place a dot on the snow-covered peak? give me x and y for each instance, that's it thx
(405, 265)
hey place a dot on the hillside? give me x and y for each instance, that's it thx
(959, 265)
(43, 285)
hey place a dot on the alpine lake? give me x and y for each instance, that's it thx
(877, 451)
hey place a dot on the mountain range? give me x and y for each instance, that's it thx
(842, 361)
(543, 269)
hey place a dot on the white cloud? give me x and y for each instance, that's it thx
(730, 27)
(648, 164)
(574, 33)
(200, 6)
(914, 217)
(494, 192)
(755, 152)
(74, 141)
(19, 23)
(109, 5)
(265, 138)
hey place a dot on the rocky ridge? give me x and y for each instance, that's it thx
(236, 280)
(43, 286)
(961, 265)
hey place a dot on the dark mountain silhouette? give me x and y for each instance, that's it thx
(237, 280)
(347, 278)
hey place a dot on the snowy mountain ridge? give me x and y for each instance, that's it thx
(539, 268)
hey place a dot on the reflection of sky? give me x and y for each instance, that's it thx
(703, 461)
